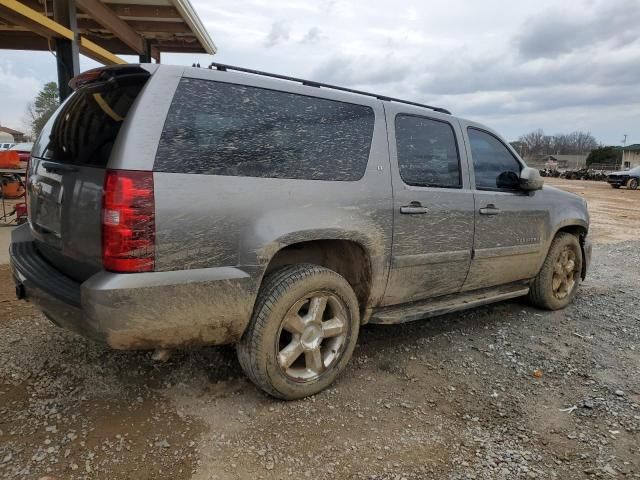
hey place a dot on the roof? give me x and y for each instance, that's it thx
(632, 148)
(119, 26)
(10, 131)
(223, 68)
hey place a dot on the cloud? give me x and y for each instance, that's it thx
(363, 70)
(556, 32)
(516, 66)
(17, 92)
(279, 33)
(313, 35)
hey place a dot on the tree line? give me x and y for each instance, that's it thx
(539, 143)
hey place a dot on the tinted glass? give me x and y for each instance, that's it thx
(494, 165)
(427, 152)
(84, 128)
(226, 129)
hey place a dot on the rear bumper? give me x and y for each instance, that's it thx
(210, 306)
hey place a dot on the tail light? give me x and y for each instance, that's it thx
(128, 221)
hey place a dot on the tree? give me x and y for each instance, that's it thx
(42, 107)
(605, 155)
(574, 143)
(534, 141)
(520, 147)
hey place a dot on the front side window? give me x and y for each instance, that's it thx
(494, 165)
(220, 128)
(427, 152)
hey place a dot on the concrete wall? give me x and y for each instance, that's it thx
(633, 157)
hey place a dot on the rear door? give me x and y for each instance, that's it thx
(433, 205)
(510, 223)
(67, 170)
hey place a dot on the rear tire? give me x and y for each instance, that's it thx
(632, 184)
(303, 331)
(556, 284)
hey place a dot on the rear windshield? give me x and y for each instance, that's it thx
(219, 128)
(84, 128)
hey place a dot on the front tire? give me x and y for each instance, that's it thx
(303, 331)
(632, 184)
(556, 284)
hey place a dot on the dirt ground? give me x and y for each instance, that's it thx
(499, 392)
(615, 213)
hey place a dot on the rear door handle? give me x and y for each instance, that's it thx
(490, 209)
(414, 208)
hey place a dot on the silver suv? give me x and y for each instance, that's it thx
(173, 206)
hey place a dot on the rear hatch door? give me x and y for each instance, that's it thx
(68, 166)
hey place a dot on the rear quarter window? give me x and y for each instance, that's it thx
(218, 128)
(84, 128)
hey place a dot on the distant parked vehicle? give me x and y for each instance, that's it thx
(627, 178)
(23, 149)
(5, 146)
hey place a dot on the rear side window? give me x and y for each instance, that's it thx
(494, 165)
(427, 152)
(84, 128)
(219, 128)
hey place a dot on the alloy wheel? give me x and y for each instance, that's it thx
(312, 336)
(564, 273)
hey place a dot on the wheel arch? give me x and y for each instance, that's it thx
(579, 230)
(349, 258)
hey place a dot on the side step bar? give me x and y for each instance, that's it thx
(447, 304)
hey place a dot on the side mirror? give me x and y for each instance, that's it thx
(530, 179)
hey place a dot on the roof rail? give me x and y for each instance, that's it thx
(223, 68)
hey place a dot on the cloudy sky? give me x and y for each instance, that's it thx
(516, 66)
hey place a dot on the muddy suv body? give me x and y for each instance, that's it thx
(173, 206)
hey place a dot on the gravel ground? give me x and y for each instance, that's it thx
(499, 392)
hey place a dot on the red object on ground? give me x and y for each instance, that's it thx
(21, 213)
(10, 159)
(11, 186)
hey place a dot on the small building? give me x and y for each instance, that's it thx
(572, 162)
(631, 156)
(18, 137)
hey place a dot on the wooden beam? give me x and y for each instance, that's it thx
(99, 54)
(19, 14)
(121, 10)
(140, 26)
(112, 44)
(16, 40)
(16, 19)
(112, 22)
(195, 47)
(144, 11)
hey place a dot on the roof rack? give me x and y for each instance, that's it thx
(223, 68)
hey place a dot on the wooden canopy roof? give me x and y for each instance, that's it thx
(126, 27)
